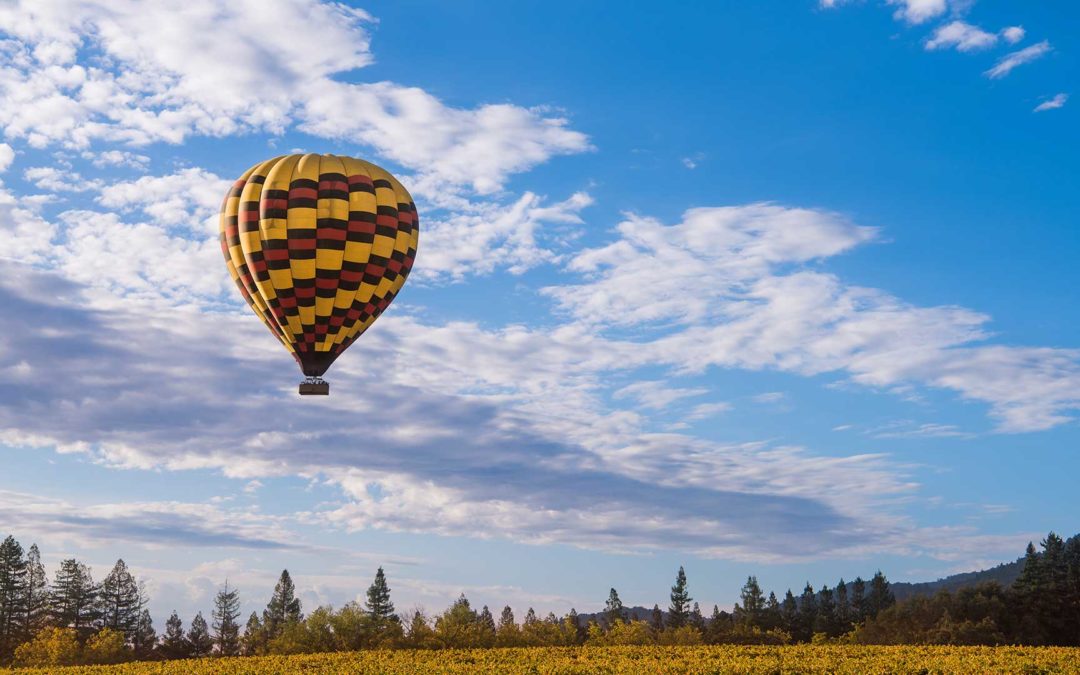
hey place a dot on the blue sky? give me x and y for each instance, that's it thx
(779, 288)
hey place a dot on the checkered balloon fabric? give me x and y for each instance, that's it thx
(319, 246)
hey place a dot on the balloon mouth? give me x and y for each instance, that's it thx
(314, 364)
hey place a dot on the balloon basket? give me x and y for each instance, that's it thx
(314, 386)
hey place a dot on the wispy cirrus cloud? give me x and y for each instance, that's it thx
(1013, 60)
(756, 306)
(1053, 103)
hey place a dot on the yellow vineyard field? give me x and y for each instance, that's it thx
(567, 660)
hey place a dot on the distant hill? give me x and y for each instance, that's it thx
(1004, 574)
(635, 613)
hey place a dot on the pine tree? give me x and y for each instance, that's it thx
(144, 637)
(574, 622)
(12, 583)
(226, 629)
(283, 608)
(119, 601)
(789, 613)
(173, 644)
(35, 601)
(419, 634)
(696, 619)
(718, 628)
(613, 609)
(486, 624)
(1053, 591)
(843, 608)
(679, 608)
(378, 602)
(752, 602)
(804, 628)
(858, 600)
(825, 622)
(657, 621)
(507, 633)
(253, 642)
(74, 598)
(880, 597)
(771, 616)
(198, 637)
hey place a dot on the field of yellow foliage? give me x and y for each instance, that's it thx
(652, 659)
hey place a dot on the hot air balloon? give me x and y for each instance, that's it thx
(319, 246)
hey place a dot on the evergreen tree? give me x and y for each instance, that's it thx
(173, 643)
(419, 634)
(771, 616)
(679, 608)
(378, 602)
(696, 620)
(225, 615)
(35, 600)
(1072, 593)
(881, 596)
(507, 633)
(825, 622)
(575, 624)
(486, 623)
(12, 584)
(254, 640)
(858, 600)
(613, 609)
(198, 637)
(789, 613)
(119, 601)
(144, 637)
(74, 598)
(752, 602)
(804, 627)
(283, 608)
(719, 627)
(843, 608)
(657, 621)
(1053, 591)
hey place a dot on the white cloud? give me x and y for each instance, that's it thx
(185, 67)
(7, 156)
(26, 235)
(694, 266)
(488, 235)
(1018, 58)
(732, 288)
(478, 147)
(153, 524)
(59, 179)
(918, 11)
(909, 429)
(122, 158)
(188, 197)
(1013, 34)
(167, 69)
(139, 260)
(656, 395)
(707, 410)
(769, 397)
(1058, 101)
(963, 36)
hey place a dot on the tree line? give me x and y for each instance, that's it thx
(73, 619)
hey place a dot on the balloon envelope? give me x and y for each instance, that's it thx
(319, 246)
